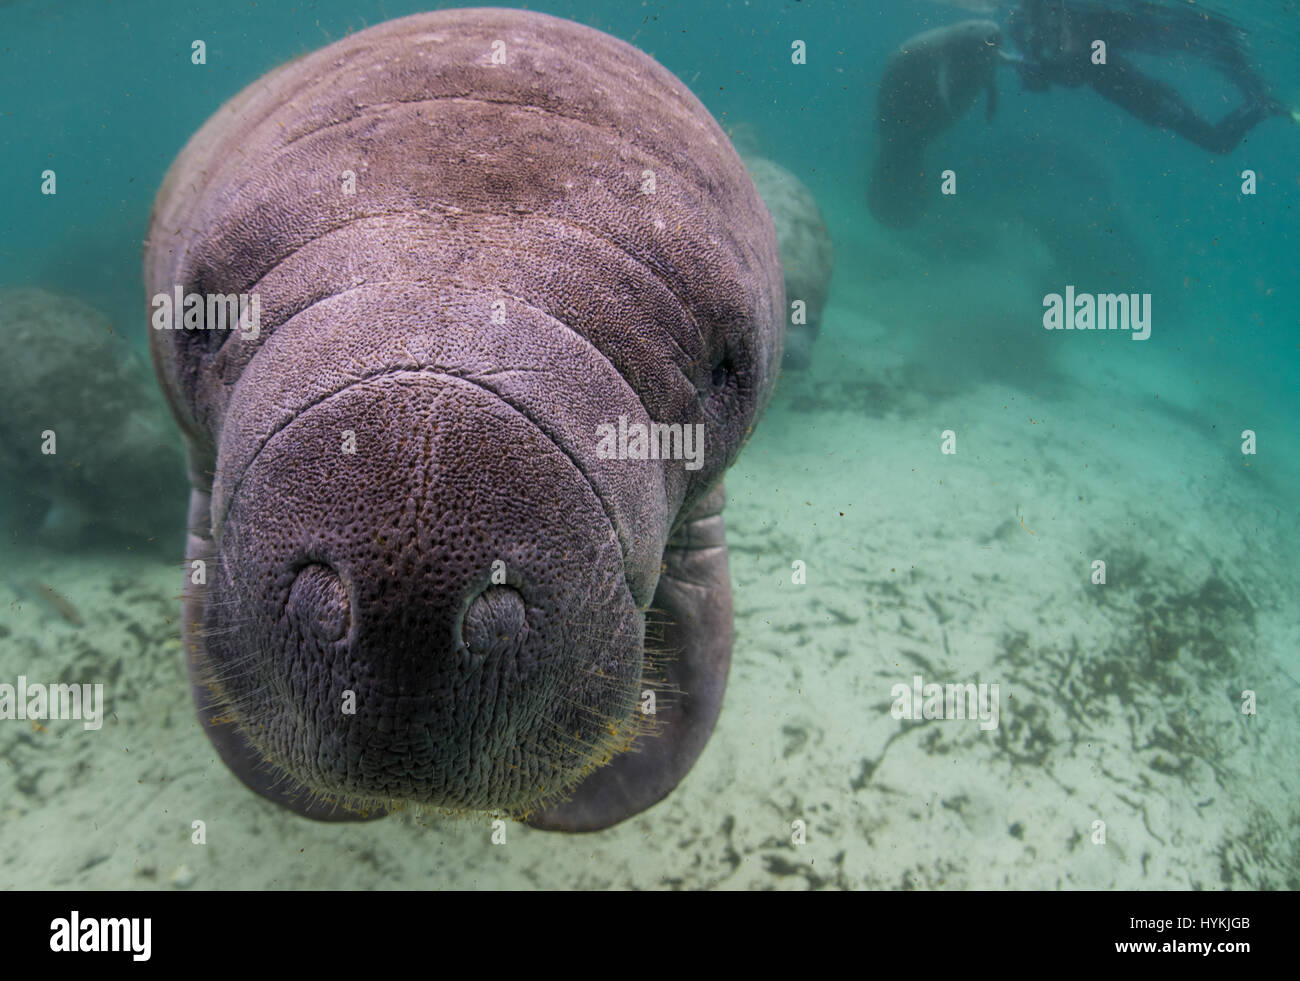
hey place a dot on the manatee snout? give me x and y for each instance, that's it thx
(407, 622)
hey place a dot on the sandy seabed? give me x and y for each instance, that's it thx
(1119, 703)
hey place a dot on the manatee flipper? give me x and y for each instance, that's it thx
(694, 598)
(215, 714)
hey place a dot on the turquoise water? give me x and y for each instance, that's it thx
(1070, 449)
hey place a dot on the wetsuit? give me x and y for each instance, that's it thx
(1055, 38)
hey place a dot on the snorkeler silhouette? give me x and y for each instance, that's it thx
(1056, 39)
(931, 81)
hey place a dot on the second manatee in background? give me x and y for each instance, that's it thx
(88, 456)
(928, 84)
(806, 256)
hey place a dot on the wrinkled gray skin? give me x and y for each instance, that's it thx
(927, 85)
(516, 189)
(805, 247)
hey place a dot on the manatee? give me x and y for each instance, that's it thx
(927, 85)
(455, 527)
(806, 257)
(69, 373)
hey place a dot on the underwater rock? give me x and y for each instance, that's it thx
(806, 257)
(72, 384)
(483, 240)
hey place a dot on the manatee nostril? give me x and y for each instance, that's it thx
(493, 623)
(318, 601)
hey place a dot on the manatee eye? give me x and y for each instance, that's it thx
(721, 372)
(318, 603)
